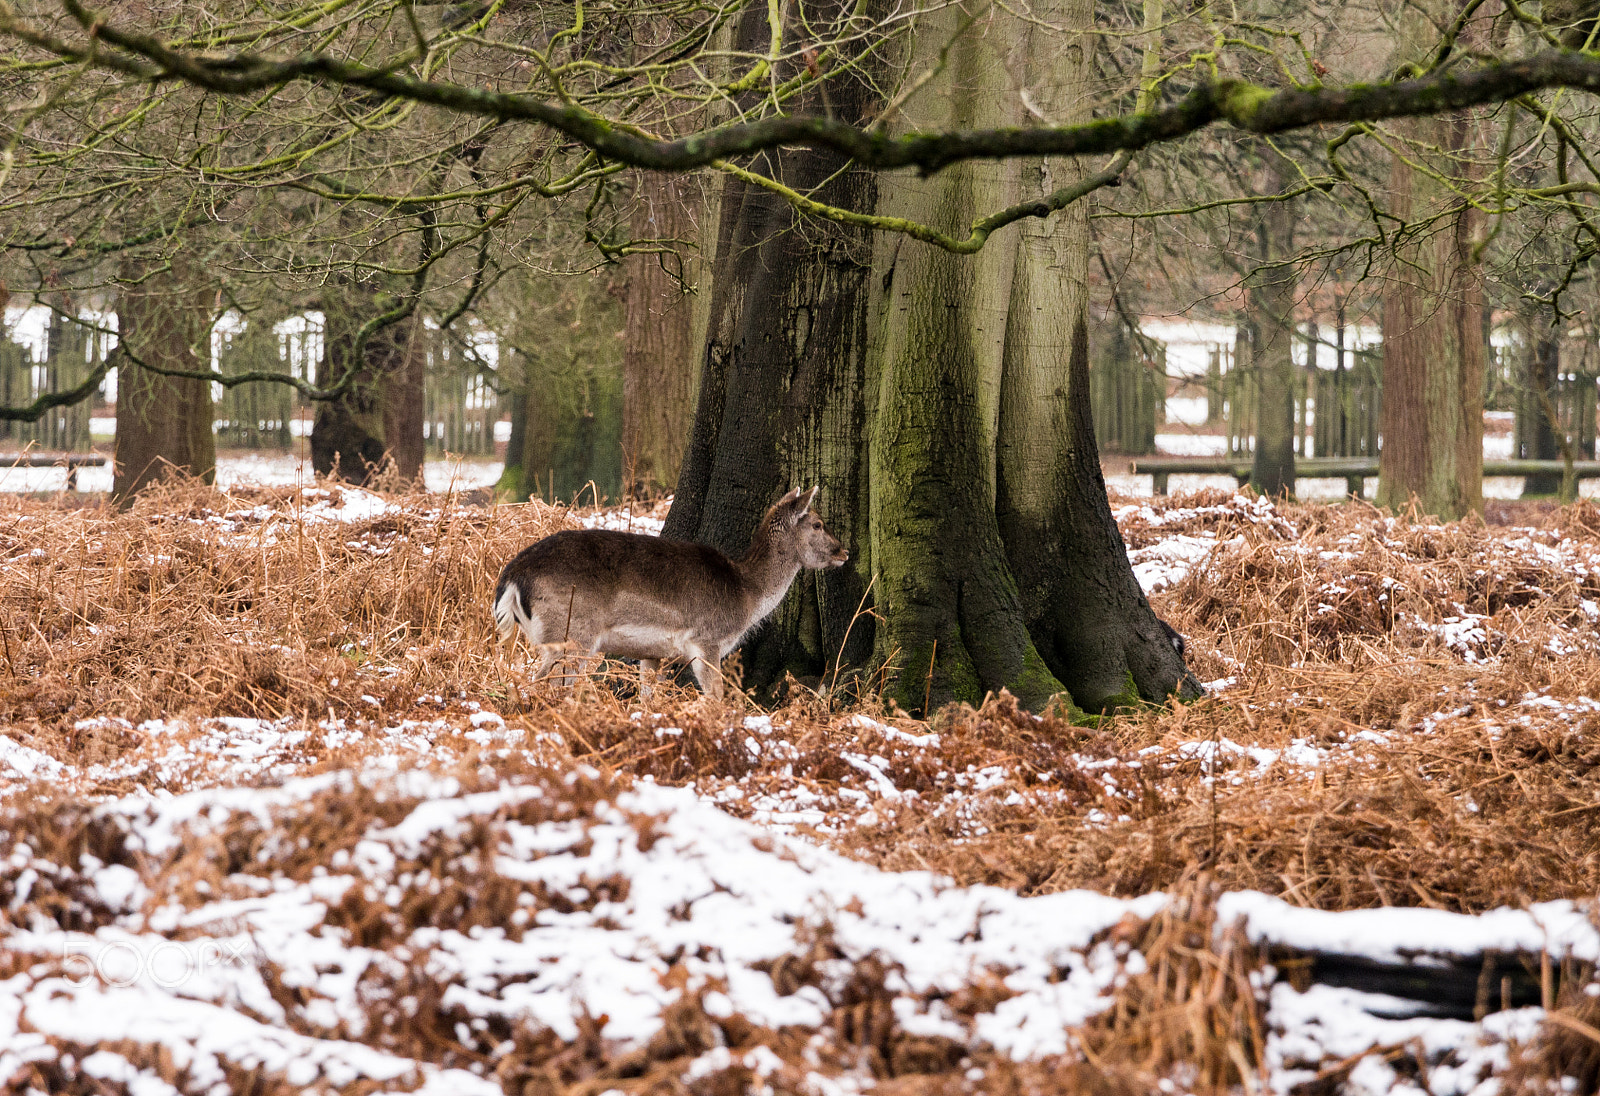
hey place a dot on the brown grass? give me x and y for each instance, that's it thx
(198, 604)
(1460, 775)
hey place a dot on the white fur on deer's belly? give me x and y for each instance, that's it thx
(647, 641)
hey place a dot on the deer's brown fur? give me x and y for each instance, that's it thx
(635, 596)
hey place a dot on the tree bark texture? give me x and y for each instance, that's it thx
(942, 403)
(1087, 617)
(1270, 291)
(403, 394)
(1433, 345)
(163, 423)
(657, 359)
(783, 391)
(1433, 354)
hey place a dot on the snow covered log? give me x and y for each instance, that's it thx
(1426, 962)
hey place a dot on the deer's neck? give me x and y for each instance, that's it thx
(766, 573)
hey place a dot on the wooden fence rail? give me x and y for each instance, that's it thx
(1353, 470)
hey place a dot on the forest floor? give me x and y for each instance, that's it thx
(279, 815)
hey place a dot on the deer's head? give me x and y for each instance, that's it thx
(791, 522)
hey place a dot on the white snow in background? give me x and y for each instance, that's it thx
(1188, 410)
(258, 470)
(1192, 445)
(624, 521)
(1497, 446)
(1494, 487)
(1169, 561)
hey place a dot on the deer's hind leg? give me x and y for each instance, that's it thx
(549, 653)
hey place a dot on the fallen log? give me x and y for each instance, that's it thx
(1428, 962)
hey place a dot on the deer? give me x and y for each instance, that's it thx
(630, 595)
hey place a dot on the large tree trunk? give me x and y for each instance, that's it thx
(1088, 619)
(952, 618)
(783, 392)
(951, 407)
(1433, 352)
(163, 423)
(1269, 296)
(657, 360)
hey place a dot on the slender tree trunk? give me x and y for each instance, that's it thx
(1433, 346)
(1270, 297)
(163, 423)
(1433, 359)
(1541, 368)
(566, 433)
(404, 398)
(657, 360)
(512, 486)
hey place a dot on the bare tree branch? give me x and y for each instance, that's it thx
(1245, 105)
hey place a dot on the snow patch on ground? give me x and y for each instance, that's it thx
(264, 469)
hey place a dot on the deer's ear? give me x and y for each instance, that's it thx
(790, 497)
(804, 502)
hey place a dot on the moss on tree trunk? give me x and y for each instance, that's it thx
(934, 398)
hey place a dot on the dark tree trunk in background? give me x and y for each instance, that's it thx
(783, 392)
(405, 403)
(510, 487)
(565, 434)
(657, 360)
(1542, 365)
(1270, 296)
(351, 436)
(907, 392)
(163, 423)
